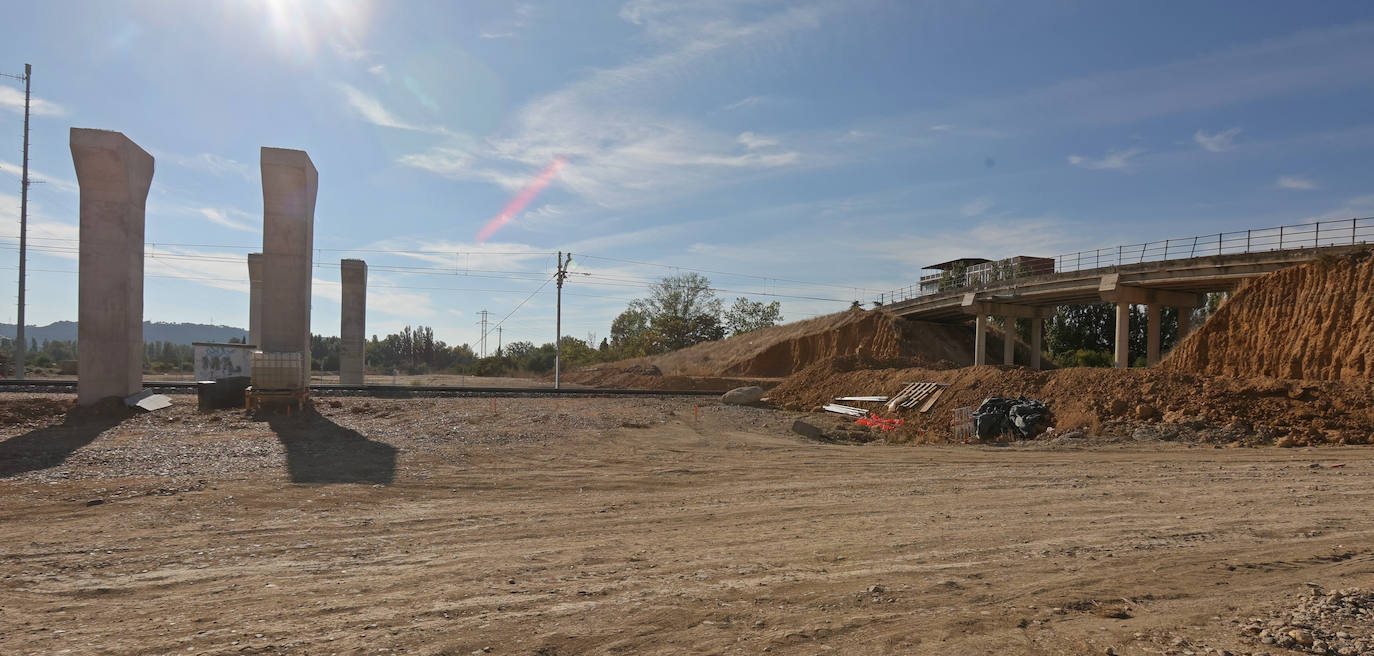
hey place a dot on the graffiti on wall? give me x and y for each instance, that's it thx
(216, 361)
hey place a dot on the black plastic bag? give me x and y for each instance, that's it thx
(998, 415)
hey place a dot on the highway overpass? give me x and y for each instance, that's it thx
(1174, 272)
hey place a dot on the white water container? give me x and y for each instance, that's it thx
(277, 371)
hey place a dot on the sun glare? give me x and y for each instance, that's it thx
(300, 28)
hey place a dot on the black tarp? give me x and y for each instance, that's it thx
(999, 415)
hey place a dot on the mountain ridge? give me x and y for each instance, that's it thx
(153, 331)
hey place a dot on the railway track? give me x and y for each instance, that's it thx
(397, 391)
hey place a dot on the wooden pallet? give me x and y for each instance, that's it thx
(257, 399)
(914, 393)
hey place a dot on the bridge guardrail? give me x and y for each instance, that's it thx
(1341, 232)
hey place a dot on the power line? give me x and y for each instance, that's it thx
(522, 303)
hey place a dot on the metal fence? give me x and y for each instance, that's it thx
(1342, 232)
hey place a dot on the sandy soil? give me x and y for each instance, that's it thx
(633, 526)
(1313, 321)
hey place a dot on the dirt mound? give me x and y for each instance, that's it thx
(1314, 321)
(1144, 404)
(32, 410)
(874, 337)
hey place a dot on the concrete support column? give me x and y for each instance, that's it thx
(289, 185)
(255, 299)
(1185, 320)
(352, 321)
(980, 339)
(1037, 336)
(114, 175)
(1123, 334)
(1008, 341)
(1152, 334)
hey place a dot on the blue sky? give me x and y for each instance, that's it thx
(808, 152)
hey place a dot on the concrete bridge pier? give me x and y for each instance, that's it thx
(980, 337)
(255, 299)
(114, 175)
(1009, 312)
(1154, 299)
(1122, 340)
(289, 186)
(1152, 334)
(352, 321)
(1009, 340)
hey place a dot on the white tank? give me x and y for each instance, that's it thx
(278, 371)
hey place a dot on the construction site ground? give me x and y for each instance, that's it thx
(568, 526)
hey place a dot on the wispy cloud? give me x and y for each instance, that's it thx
(215, 165)
(12, 99)
(1114, 160)
(975, 207)
(1295, 182)
(753, 141)
(348, 48)
(371, 109)
(244, 222)
(1358, 206)
(1310, 60)
(619, 151)
(509, 28)
(1218, 142)
(751, 101)
(410, 305)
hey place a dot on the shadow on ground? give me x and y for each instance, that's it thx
(321, 451)
(52, 445)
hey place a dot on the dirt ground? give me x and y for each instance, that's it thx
(569, 526)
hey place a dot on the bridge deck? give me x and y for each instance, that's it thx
(1196, 275)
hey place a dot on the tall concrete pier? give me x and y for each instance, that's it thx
(352, 321)
(289, 185)
(255, 299)
(114, 175)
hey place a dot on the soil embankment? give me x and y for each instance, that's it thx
(767, 355)
(1314, 321)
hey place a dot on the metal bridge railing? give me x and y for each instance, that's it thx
(1341, 232)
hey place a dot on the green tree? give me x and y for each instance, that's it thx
(746, 315)
(630, 334)
(682, 310)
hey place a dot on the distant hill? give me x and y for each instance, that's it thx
(153, 331)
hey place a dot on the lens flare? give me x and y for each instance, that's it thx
(517, 204)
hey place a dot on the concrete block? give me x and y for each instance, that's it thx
(255, 299)
(289, 186)
(352, 321)
(113, 174)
